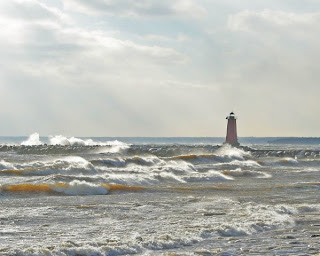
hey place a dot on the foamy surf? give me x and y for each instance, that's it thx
(123, 162)
(64, 165)
(73, 196)
(246, 173)
(259, 218)
(231, 152)
(75, 187)
(60, 140)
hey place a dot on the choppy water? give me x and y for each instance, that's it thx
(174, 196)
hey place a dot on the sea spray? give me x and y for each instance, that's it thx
(33, 140)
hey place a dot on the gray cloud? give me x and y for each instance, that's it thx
(275, 65)
(272, 19)
(132, 8)
(58, 44)
(30, 10)
(64, 74)
(282, 45)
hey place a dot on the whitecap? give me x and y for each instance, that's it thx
(77, 187)
(246, 173)
(231, 152)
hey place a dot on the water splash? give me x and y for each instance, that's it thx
(33, 140)
(232, 152)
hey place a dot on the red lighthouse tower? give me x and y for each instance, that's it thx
(232, 138)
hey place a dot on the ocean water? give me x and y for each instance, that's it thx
(159, 196)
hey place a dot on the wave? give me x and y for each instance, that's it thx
(75, 187)
(168, 232)
(150, 170)
(67, 165)
(192, 151)
(60, 140)
(225, 153)
(201, 158)
(130, 170)
(308, 208)
(73, 141)
(161, 150)
(289, 160)
(245, 173)
(302, 170)
(6, 165)
(227, 150)
(71, 248)
(122, 162)
(289, 153)
(45, 149)
(259, 218)
(251, 164)
(172, 172)
(64, 141)
(210, 175)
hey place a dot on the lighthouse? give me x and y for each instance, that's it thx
(232, 138)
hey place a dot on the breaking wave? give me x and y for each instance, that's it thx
(75, 187)
(289, 160)
(238, 164)
(259, 218)
(122, 162)
(73, 141)
(246, 173)
(34, 140)
(212, 176)
(64, 165)
(231, 152)
(115, 162)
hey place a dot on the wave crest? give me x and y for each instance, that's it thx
(75, 187)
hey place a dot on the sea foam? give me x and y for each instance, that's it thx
(34, 140)
(77, 187)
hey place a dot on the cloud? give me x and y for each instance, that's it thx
(142, 8)
(30, 11)
(60, 77)
(286, 40)
(274, 63)
(180, 38)
(55, 46)
(148, 68)
(188, 85)
(268, 19)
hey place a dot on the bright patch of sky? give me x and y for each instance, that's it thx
(159, 68)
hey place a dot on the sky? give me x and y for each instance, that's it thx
(159, 68)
